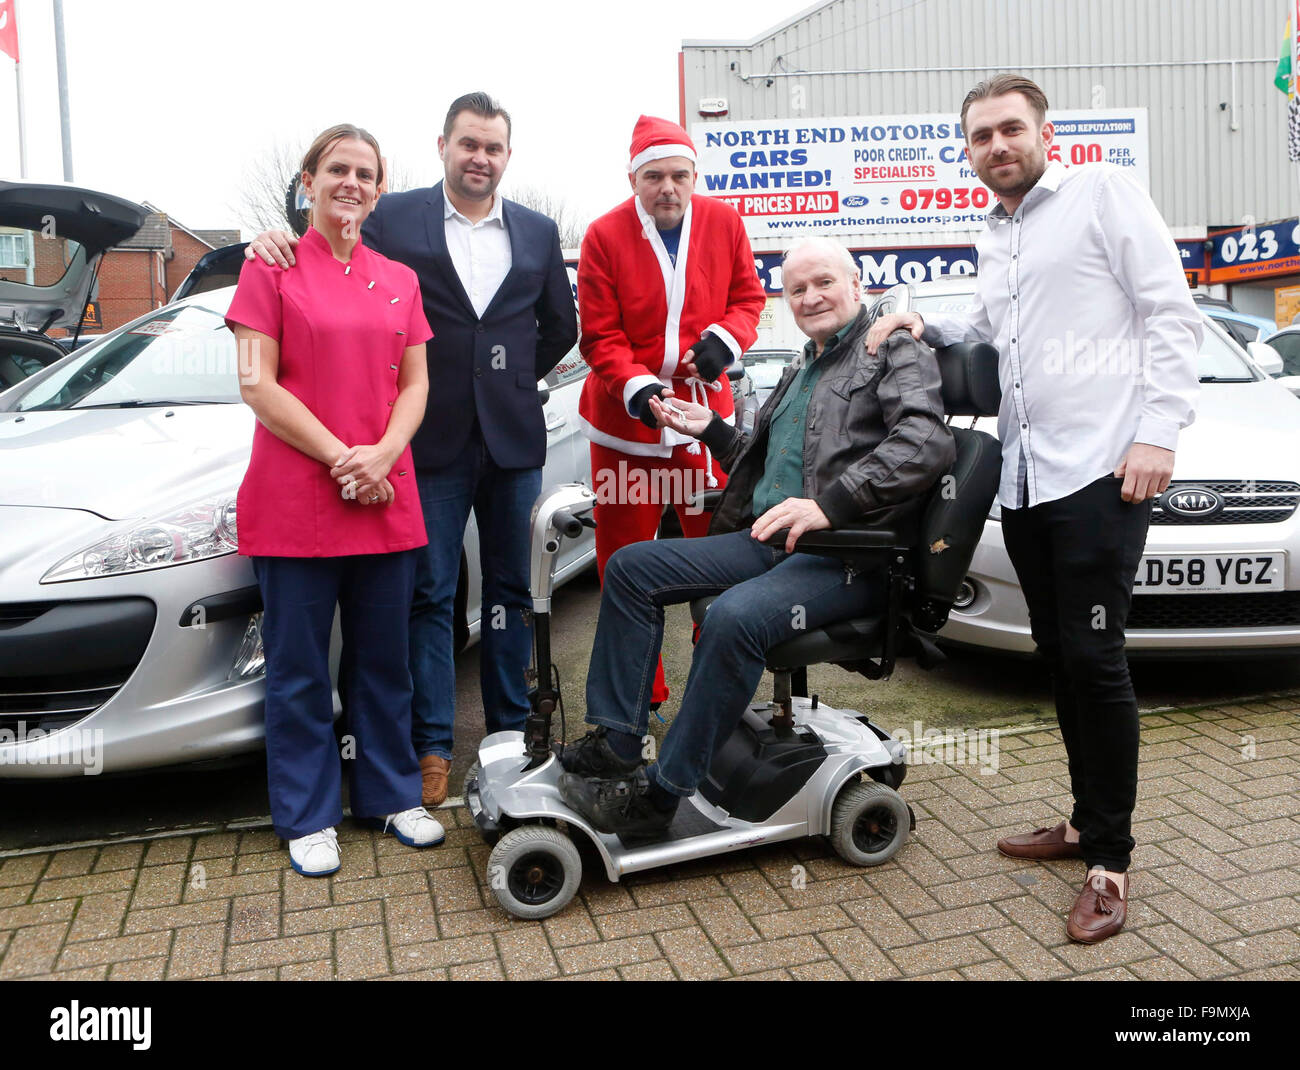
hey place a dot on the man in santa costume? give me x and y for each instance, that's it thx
(668, 298)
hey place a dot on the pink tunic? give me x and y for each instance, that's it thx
(342, 329)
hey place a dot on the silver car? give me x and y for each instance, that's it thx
(1221, 571)
(130, 630)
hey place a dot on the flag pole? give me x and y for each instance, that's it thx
(22, 129)
(1295, 57)
(61, 61)
(18, 78)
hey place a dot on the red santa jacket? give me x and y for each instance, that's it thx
(639, 314)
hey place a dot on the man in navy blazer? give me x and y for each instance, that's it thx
(498, 298)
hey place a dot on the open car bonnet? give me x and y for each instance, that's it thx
(67, 229)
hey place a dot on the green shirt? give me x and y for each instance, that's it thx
(783, 471)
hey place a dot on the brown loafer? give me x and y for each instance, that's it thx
(1099, 911)
(434, 771)
(1040, 844)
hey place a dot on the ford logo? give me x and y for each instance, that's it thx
(855, 201)
(1191, 501)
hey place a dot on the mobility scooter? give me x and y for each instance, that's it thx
(793, 767)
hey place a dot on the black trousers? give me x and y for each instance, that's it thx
(1076, 558)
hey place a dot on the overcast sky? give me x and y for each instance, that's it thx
(172, 102)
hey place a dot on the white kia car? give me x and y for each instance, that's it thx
(1221, 571)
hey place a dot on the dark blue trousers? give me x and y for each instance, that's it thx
(373, 594)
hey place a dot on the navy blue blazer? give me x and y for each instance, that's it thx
(483, 370)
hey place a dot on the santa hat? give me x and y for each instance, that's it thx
(657, 139)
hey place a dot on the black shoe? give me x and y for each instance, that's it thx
(592, 756)
(620, 807)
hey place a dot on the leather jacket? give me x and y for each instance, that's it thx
(874, 440)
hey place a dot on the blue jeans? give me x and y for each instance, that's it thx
(766, 597)
(299, 594)
(502, 499)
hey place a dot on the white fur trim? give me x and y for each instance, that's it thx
(637, 382)
(674, 283)
(636, 449)
(727, 337)
(663, 448)
(659, 152)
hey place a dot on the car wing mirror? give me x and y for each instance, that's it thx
(1266, 358)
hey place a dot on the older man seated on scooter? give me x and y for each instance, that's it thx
(847, 439)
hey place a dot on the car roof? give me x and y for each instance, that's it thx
(1237, 317)
(946, 284)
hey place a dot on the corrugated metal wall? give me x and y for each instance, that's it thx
(1202, 172)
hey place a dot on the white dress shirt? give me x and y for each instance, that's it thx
(480, 252)
(1083, 293)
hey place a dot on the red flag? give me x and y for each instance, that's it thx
(8, 29)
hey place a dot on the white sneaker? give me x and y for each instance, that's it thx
(316, 855)
(415, 828)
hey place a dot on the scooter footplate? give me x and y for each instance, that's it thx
(688, 822)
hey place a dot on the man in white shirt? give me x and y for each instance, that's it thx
(1081, 289)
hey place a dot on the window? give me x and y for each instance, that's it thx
(13, 250)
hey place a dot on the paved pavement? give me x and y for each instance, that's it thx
(1216, 890)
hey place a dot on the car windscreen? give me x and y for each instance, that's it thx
(765, 367)
(1217, 360)
(179, 356)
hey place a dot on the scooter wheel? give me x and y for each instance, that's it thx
(869, 823)
(534, 871)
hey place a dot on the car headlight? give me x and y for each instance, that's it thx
(194, 532)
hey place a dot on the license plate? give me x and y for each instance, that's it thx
(1211, 573)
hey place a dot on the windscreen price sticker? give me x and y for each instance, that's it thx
(155, 327)
(878, 175)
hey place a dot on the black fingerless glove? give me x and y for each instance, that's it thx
(640, 404)
(711, 356)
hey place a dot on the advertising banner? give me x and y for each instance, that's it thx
(1255, 250)
(882, 175)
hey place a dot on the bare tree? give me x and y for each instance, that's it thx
(540, 199)
(260, 205)
(261, 202)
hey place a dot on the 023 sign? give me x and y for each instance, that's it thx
(1255, 249)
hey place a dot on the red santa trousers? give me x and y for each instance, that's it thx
(631, 492)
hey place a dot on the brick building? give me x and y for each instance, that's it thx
(143, 272)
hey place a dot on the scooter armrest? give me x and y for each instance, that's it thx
(851, 545)
(706, 500)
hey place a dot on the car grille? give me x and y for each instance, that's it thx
(61, 661)
(1178, 611)
(16, 614)
(50, 702)
(1244, 502)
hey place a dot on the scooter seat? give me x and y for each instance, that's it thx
(845, 640)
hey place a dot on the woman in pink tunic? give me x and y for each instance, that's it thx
(333, 364)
